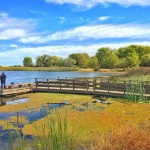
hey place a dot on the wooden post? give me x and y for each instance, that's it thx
(101, 82)
(94, 85)
(87, 84)
(48, 83)
(60, 83)
(116, 86)
(36, 83)
(108, 86)
(73, 84)
(124, 89)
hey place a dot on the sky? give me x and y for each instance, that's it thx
(31, 28)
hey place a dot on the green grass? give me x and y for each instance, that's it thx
(54, 134)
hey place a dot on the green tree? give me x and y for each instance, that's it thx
(44, 61)
(83, 60)
(130, 54)
(132, 61)
(68, 62)
(74, 56)
(61, 62)
(93, 63)
(145, 60)
(55, 60)
(142, 50)
(111, 61)
(39, 61)
(27, 62)
(102, 56)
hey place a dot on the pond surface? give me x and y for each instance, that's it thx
(13, 101)
(30, 115)
(29, 76)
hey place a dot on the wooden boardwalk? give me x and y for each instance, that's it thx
(93, 86)
(101, 87)
(17, 89)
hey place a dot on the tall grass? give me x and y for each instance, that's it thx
(134, 74)
(136, 93)
(55, 134)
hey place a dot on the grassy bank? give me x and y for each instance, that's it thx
(59, 69)
(39, 68)
(115, 126)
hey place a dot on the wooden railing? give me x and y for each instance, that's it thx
(89, 85)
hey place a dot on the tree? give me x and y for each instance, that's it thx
(60, 62)
(27, 61)
(39, 61)
(102, 54)
(132, 61)
(55, 60)
(74, 56)
(130, 54)
(83, 60)
(44, 61)
(145, 60)
(111, 61)
(93, 63)
(68, 62)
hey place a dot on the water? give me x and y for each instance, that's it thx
(30, 114)
(29, 76)
(13, 101)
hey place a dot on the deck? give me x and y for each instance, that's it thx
(101, 87)
(91, 86)
(17, 89)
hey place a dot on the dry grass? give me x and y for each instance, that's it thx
(129, 137)
(138, 71)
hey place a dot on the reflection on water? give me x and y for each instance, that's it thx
(13, 101)
(31, 115)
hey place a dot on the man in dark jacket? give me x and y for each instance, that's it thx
(3, 80)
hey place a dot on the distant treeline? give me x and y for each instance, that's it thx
(124, 57)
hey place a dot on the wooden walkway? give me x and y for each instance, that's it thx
(17, 89)
(92, 86)
(101, 87)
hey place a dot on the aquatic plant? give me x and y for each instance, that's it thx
(135, 93)
(54, 133)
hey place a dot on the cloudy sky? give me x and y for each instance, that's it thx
(61, 27)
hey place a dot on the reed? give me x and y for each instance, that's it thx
(54, 133)
(135, 93)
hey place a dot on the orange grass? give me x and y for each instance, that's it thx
(129, 137)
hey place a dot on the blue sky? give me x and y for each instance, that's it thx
(61, 27)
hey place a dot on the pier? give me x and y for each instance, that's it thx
(96, 86)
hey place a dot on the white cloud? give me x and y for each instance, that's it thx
(13, 45)
(103, 18)
(95, 32)
(62, 19)
(11, 28)
(91, 3)
(16, 56)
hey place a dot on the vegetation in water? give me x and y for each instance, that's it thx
(121, 125)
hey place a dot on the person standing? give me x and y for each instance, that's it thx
(3, 80)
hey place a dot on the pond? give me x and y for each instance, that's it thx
(20, 119)
(29, 76)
